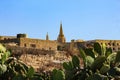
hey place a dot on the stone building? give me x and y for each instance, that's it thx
(22, 40)
(49, 54)
(113, 44)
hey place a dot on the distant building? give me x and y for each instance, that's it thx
(22, 40)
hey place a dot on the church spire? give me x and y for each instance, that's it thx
(61, 30)
(61, 37)
(47, 37)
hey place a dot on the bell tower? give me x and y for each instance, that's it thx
(61, 37)
(47, 37)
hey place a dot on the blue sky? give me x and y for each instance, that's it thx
(81, 19)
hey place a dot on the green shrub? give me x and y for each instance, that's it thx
(99, 64)
(13, 69)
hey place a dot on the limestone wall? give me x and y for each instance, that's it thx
(45, 62)
(113, 44)
(37, 43)
(7, 37)
(7, 40)
(17, 50)
(41, 60)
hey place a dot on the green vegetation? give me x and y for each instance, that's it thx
(13, 69)
(99, 64)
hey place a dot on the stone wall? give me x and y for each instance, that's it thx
(7, 40)
(41, 60)
(37, 43)
(6, 37)
(45, 62)
(30, 43)
(18, 51)
(113, 44)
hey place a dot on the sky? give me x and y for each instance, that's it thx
(81, 19)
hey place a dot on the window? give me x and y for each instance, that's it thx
(109, 44)
(113, 44)
(113, 49)
(25, 45)
(33, 45)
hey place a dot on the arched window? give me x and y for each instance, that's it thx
(113, 44)
(109, 44)
(113, 49)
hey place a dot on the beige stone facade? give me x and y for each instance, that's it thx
(113, 44)
(37, 43)
(58, 45)
(47, 54)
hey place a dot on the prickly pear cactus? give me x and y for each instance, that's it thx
(90, 52)
(68, 66)
(2, 49)
(105, 68)
(97, 64)
(3, 68)
(75, 61)
(97, 76)
(117, 60)
(98, 48)
(58, 75)
(89, 61)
